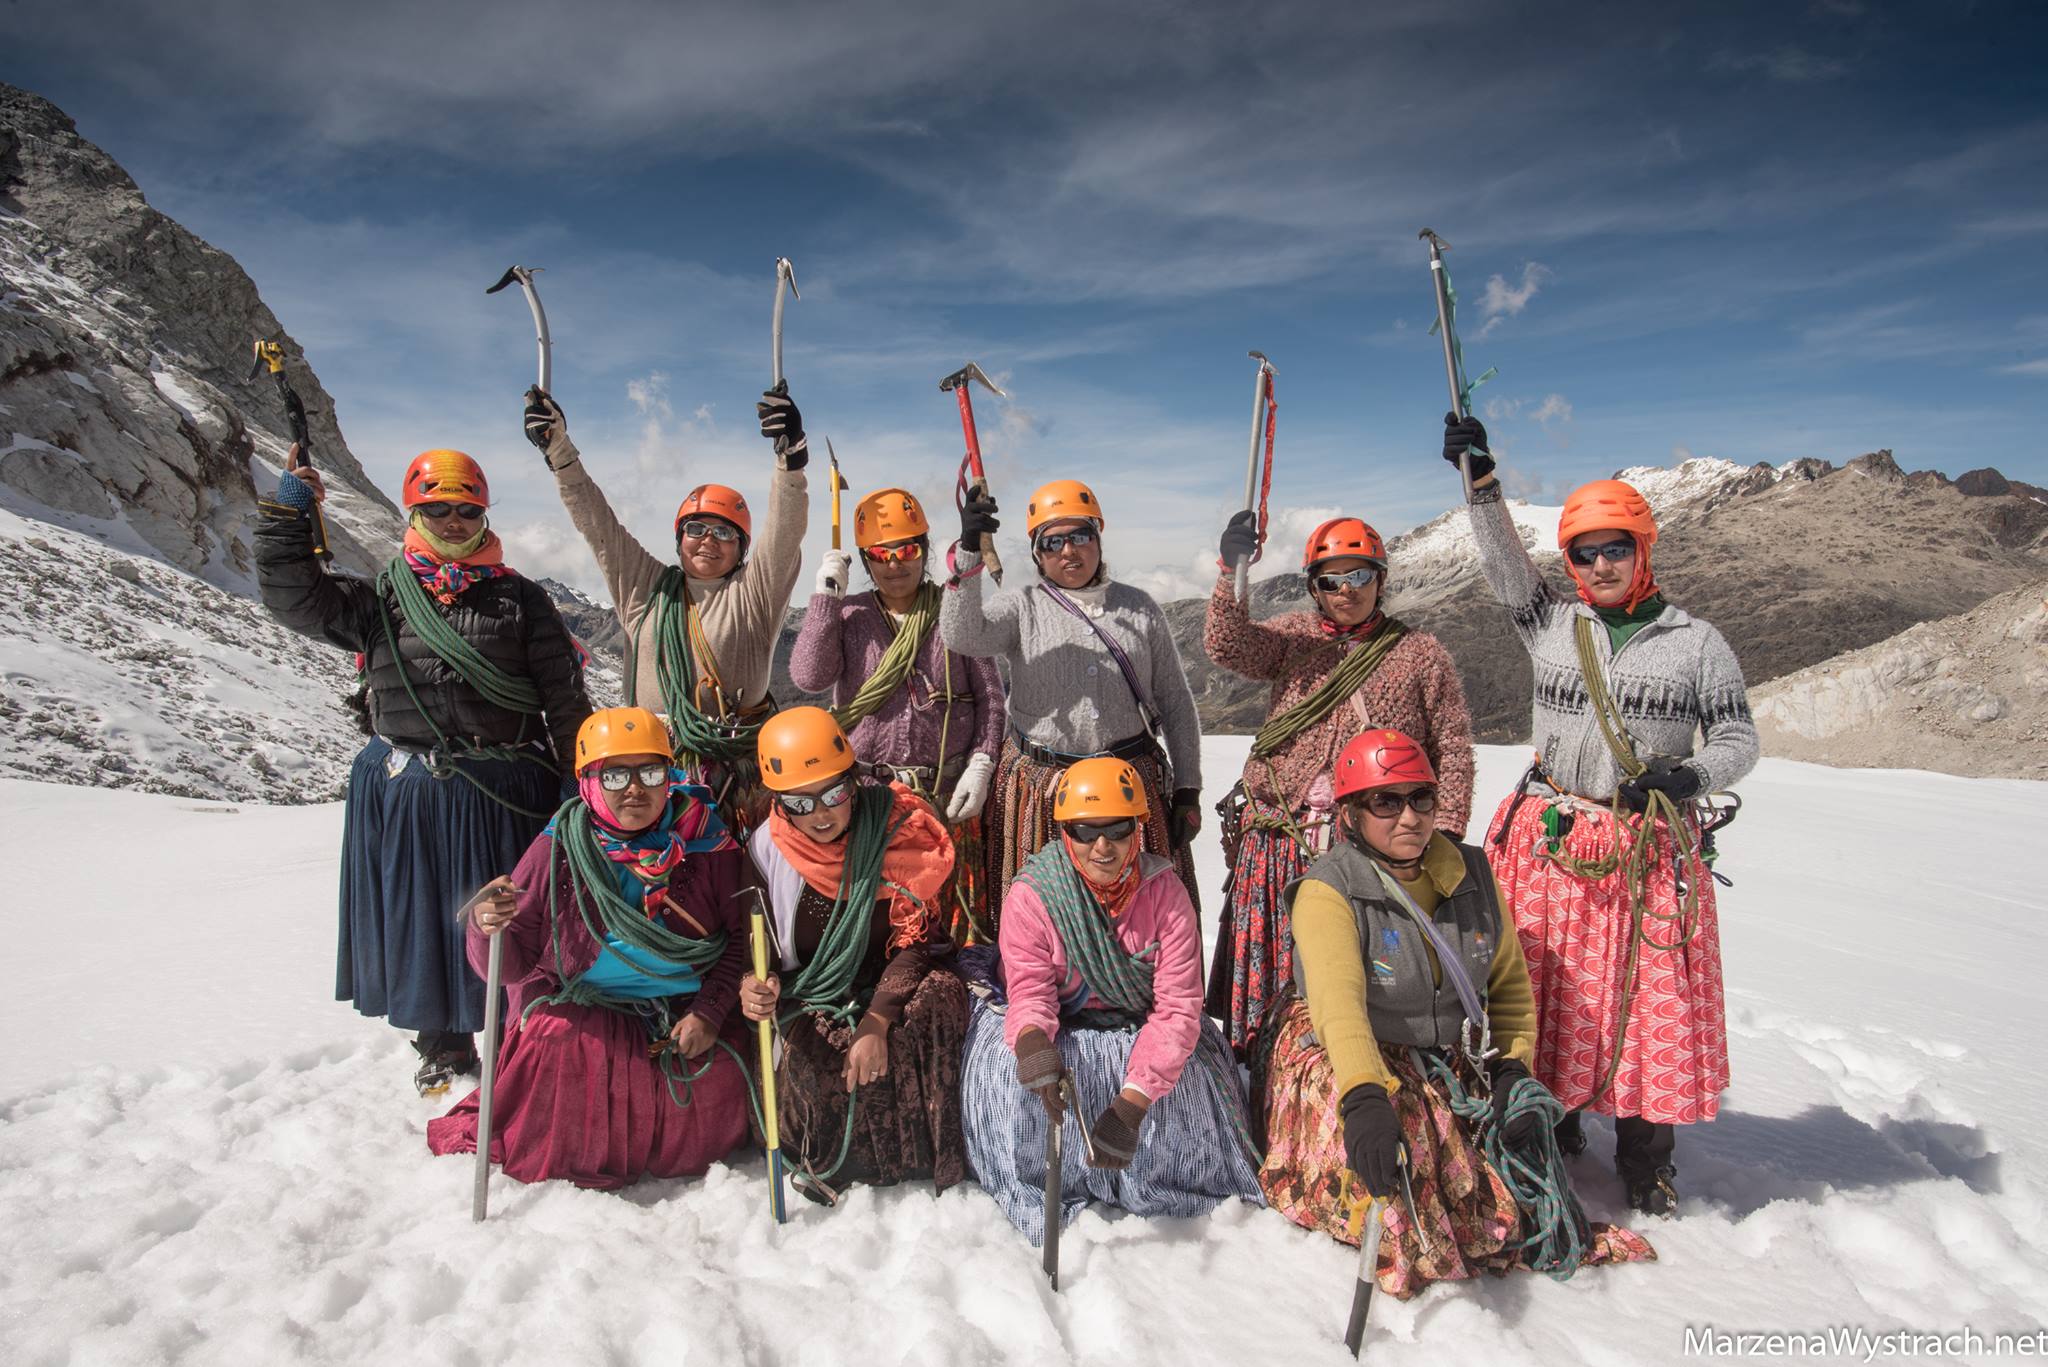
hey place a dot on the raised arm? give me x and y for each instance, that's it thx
(340, 609)
(971, 624)
(1236, 642)
(629, 570)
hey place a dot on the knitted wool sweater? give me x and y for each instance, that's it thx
(1415, 691)
(1674, 677)
(1066, 692)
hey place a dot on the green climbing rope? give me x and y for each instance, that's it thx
(493, 684)
(1340, 683)
(677, 638)
(894, 667)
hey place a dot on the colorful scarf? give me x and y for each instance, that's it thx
(688, 825)
(1116, 894)
(1357, 633)
(444, 568)
(914, 868)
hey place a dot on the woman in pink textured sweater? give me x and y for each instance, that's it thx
(1100, 987)
(1342, 668)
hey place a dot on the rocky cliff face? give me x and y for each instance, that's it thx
(126, 410)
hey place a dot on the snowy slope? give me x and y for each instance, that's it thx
(203, 1159)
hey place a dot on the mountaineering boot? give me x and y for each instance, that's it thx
(1642, 1155)
(443, 1055)
(1570, 1134)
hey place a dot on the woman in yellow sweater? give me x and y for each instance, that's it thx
(1402, 1073)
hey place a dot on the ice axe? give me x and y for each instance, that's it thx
(494, 978)
(270, 355)
(973, 479)
(1454, 354)
(785, 275)
(771, 1136)
(524, 275)
(1368, 1276)
(838, 487)
(1264, 421)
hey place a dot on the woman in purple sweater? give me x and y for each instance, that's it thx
(931, 717)
(623, 955)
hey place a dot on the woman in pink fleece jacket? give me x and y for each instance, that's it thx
(1100, 984)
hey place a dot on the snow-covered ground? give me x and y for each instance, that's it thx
(204, 1159)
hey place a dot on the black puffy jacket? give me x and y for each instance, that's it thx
(510, 620)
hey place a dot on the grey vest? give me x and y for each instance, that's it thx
(1404, 1002)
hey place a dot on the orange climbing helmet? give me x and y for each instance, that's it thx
(613, 731)
(716, 500)
(1378, 759)
(888, 515)
(801, 745)
(1092, 789)
(1607, 505)
(445, 477)
(1341, 537)
(1063, 498)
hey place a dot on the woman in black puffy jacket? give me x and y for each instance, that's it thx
(475, 691)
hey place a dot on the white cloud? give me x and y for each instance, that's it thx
(1789, 63)
(553, 550)
(1554, 408)
(1503, 301)
(2039, 367)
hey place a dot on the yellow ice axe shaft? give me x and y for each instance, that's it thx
(770, 1128)
(838, 487)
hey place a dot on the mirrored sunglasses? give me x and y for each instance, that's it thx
(803, 804)
(1350, 579)
(1383, 804)
(1088, 832)
(438, 512)
(614, 778)
(717, 531)
(894, 555)
(1052, 543)
(1613, 552)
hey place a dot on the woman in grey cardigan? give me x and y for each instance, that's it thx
(1093, 670)
(1599, 852)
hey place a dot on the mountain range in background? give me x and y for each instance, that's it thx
(133, 444)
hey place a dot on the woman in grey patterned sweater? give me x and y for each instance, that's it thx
(1059, 639)
(1598, 850)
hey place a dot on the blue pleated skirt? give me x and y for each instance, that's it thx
(414, 848)
(1191, 1155)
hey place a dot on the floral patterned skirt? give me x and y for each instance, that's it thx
(1255, 943)
(1469, 1221)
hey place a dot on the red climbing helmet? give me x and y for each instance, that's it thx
(1378, 759)
(1343, 536)
(444, 476)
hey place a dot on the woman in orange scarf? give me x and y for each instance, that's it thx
(874, 1017)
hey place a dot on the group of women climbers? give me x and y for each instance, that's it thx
(907, 1056)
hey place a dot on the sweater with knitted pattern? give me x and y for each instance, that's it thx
(1675, 678)
(1415, 691)
(1066, 692)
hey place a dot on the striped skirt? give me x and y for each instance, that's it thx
(1190, 1153)
(1017, 822)
(414, 848)
(1672, 1035)
(1470, 1223)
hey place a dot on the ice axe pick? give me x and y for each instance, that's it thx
(977, 483)
(785, 277)
(524, 275)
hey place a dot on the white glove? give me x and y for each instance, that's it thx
(835, 573)
(972, 789)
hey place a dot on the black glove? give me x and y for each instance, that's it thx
(1115, 1136)
(1524, 1127)
(783, 424)
(1460, 433)
(977, 515)
(1372, 1138)
(544, 417)
(1184, 817)
(1674, 778)
(1039, 1070)
(1240, 538)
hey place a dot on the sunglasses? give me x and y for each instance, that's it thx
(717, 531)
(1383, 804)
(1088, 832)
(615, 779)
(803, 804)
(1350, 579)
(894, 555)
(1613, 552)
(1054, 542)
(438, 512)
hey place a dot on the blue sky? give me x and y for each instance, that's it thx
(1754, 231)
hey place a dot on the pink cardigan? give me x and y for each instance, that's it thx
(1040, 984)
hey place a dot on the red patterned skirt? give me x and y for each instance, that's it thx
(1469, 1219)
(1255, 944)
(1575, 934)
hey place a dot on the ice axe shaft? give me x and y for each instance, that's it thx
(1251, 471)
(770, 1122)
(1055, 1158)
(785, 276)
(1443, 331)
(1368, 1277)
(838, 487)
(493, 981)
(958, 382)
(524, 275)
